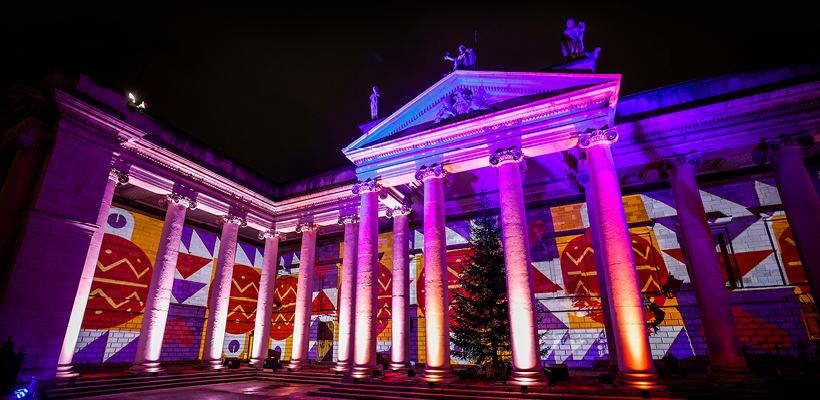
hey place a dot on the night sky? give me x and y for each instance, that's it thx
(283, 88)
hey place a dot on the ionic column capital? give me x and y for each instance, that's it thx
(369, 186)
(583, 179)
(118, 176)
(309, 226)
(691, 158)
(771, 145)
(598, 136)
(177, 198)
(348, 219)
(510, 155)
(401, 210)
(271, 233)
(25, 142)
(435, 171)
(231, 219)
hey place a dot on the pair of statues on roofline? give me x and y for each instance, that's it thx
(572, 45)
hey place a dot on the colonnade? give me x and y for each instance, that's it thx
(618, 279)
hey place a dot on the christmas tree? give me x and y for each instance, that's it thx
(480, 315)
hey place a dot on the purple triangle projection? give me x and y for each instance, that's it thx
(743, 193)
(250, 251)
(664, 196)
(93, 352)
(187, 233)
(548, 320)
(208, 240)
(183, 289)
(127, 353)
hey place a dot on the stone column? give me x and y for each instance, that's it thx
(799, 198)
(87, 278)
(347, 293)
(304, 296)
(635, 366)
(221, 292)
(601, 272)
(15, 196)
(728, 361)
(158, 302)
(367, 280)
(436, 296)
(264, 305)
(400, 319)
(526, 355)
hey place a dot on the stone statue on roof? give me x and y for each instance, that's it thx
(374, 103)
(572, 42)
(465, 60)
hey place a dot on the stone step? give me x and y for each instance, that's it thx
(72, 393)
(97, 380)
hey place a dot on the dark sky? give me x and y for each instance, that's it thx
(283, 88)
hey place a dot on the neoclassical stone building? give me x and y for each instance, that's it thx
(682, 219)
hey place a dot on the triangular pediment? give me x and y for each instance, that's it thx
(465, 94)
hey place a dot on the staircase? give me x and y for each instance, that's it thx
(96, 386)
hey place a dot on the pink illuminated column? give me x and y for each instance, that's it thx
(347, 293)
(264, 305)
(635, 366)
(799, 199)
(436, 296)
(304, 296)
(400, 354)
(728, 361)
(158, 302)
(526, 356)
(86, 279)
(601, 272)
(367, 280)
(221, 292)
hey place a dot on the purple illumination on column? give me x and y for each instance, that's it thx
(162, 281)
(221, 292)
(635, 365)
(400, 354)
(86, 279)
(799, 200)
(601, 273)
(264, 306)
(728, 361)
(436, 297)
(304, 296)
(367, 278)
(526, 355)
(347, 293)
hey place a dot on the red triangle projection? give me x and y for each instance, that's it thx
(187, 264)
(746, 261)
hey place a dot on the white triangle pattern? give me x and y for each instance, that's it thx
(115, 342)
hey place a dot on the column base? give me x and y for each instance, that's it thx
(733, 375)
(256, 363)
(65, 372)
(211, 365)
(146, 369)
(400, 366)
(296, 365)
(640, 381)
(528, 378)
(439, 375)
(363, 371)
(343, 366)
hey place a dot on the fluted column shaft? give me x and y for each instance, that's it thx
(436, 296)
(264, 305)
(635, 366)
(400, 318)
(719, 329)
(526, 355)
(367, 284)
(347, 295)
(87, 277)
(158, 302)
(304, 298)
(801, 205)
(221, 293)
(602, 271)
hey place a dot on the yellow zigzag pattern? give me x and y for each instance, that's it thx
(290, 289)
(581, 257)
(241, 289)
(104, 268)
(239, 307)
(111, 301)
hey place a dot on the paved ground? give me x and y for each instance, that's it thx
(251, 390)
